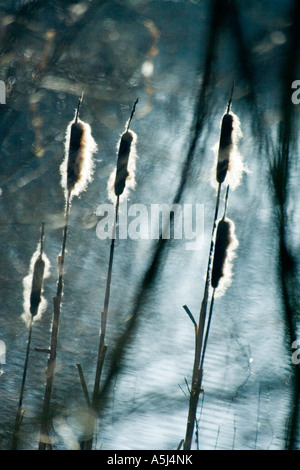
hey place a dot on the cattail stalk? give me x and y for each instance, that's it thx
(197, 370)
(223, 251)
(76, 171)
(35, 301)
(222, 167)
(119, 186)
(44, 442)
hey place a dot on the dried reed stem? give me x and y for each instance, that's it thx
(35, 298)
(44, 442)
(102, 349)
(197, 369)
(20, 410)
(76, 171)
(207, 328)
(104, 314)
(83, 385)
(119, 186)
(74, 160)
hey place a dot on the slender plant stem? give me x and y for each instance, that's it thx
(44, 436)
(102, 346)
(104, 314)
(216, 445)
(83, 385)
(230, 98)
(207, 329)
(20, 410)
(258, 416)
(197, 370)
(132, 114)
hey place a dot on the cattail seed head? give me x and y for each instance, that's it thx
(34, 303)
(229, 163)
(122, 162)
(122, 179)
(37, 285)
(77, 166)
(224, 253)
(225, 147)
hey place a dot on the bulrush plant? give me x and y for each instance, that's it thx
(227, 170)
(34, 306)
(76, 172)
(123, 179)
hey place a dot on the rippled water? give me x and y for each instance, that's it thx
(170, 55)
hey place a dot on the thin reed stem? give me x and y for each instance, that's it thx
(104, 314)
(83, 385)
(78, 107)
(207, 329)
(44, 442)
(218, 433)
(132, 114)
(230, 99)
(258, 416)
(226, 202)
(197, 369)
(234, 434)
(20, 410)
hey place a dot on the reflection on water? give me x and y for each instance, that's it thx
(180, 59)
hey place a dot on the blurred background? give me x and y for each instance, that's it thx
(180, 59)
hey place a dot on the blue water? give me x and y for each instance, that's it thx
(249, 386)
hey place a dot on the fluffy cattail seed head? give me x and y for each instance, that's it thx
(225, 147)
(122, 162)
(34, 303)
(124, 174)
(77, 167)
(122, 179)
(37, 285)
(75, 156)
(224, 253)
(221, 246)
(229, 163)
